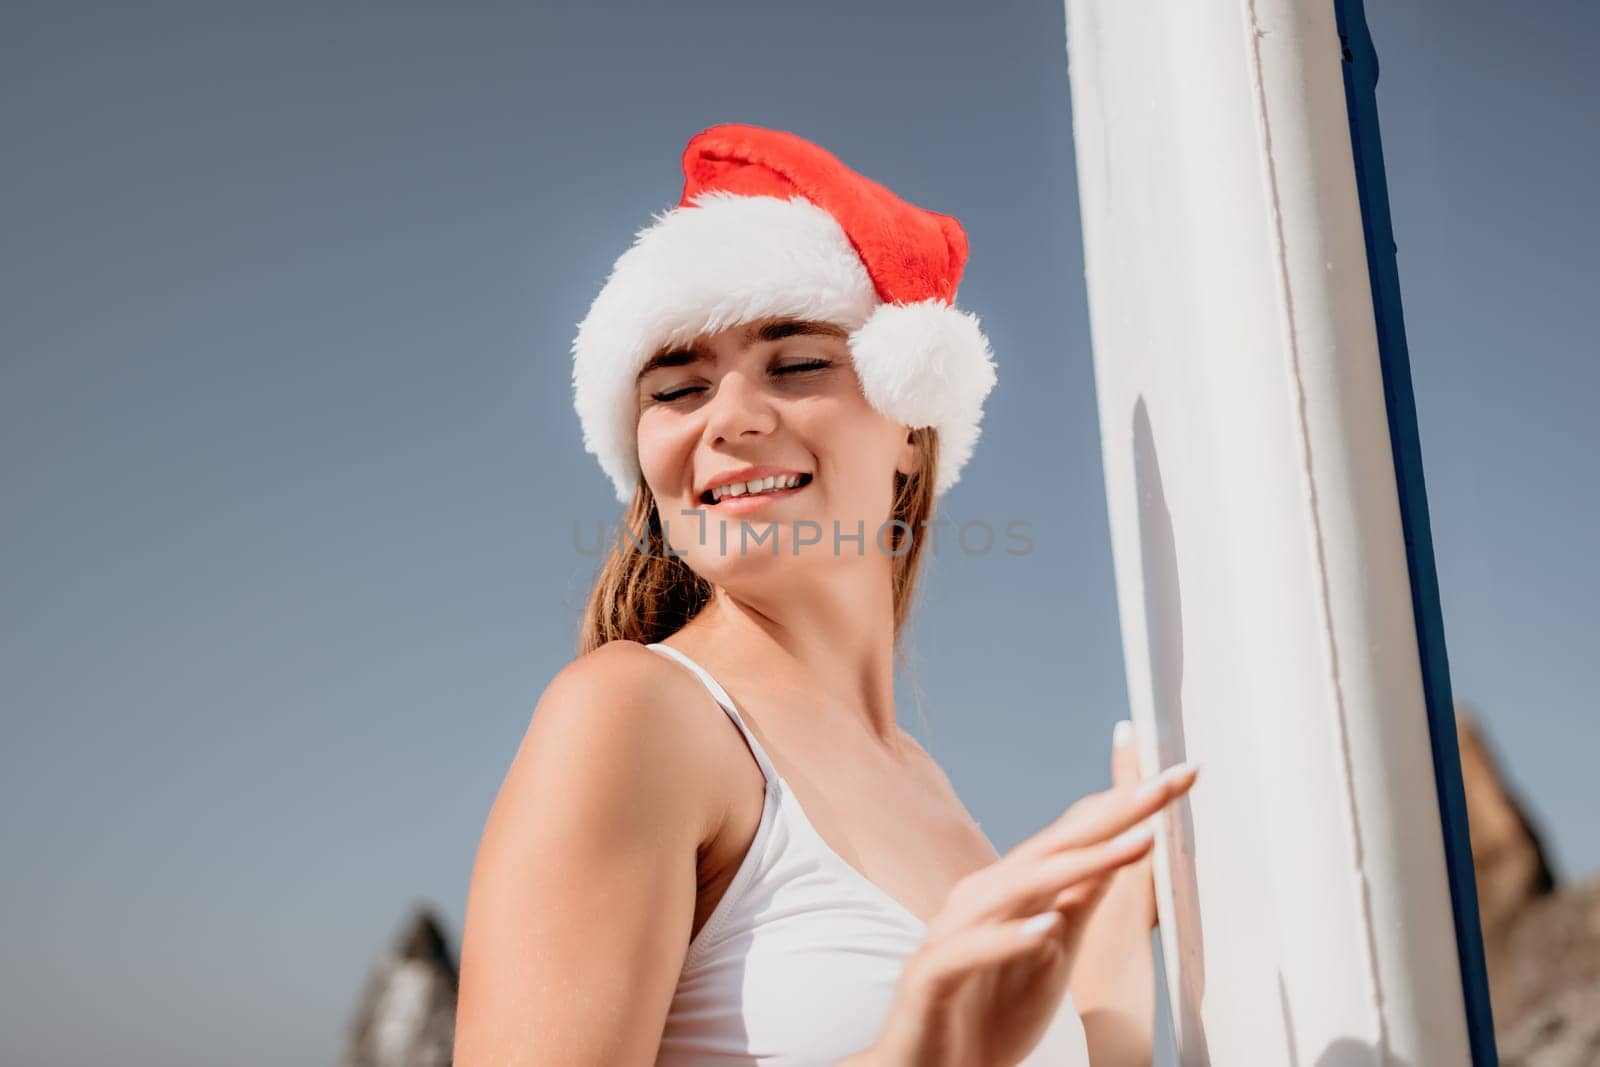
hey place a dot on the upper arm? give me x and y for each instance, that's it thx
(583, 891)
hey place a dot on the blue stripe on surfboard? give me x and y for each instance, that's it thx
(1360, 67)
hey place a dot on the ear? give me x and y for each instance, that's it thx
(910, 458)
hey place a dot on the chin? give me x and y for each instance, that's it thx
(758, 563)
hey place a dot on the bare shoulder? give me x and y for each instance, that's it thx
(618, 722)
(624, 714)
(626, 681)
(620, 678)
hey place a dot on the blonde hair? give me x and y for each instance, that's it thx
(644, 594)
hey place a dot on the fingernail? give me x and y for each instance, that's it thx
(1040, 923)
(1176, 772)
(1121, 732)
(1136, 836)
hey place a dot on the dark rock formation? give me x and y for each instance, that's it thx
(407, 1016)
(1541, 937)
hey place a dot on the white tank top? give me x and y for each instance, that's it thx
(797, 964)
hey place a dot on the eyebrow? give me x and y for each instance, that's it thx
(770, 330)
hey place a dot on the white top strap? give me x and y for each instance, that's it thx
(721, 696)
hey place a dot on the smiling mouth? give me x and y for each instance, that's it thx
(710, 501)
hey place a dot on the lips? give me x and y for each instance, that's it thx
(751, 501)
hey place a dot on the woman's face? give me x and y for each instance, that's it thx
(782, 395)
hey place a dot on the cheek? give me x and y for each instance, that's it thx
(662, 447)
(858, 450)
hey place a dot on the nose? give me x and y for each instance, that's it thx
(738, 407)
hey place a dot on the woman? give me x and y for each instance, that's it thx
(715, 845)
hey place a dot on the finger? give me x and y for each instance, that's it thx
(1102, 815)
(941, 966)
(1087, 890)
(1124, 755)
(1045, 881)
(1016, 887)
(1082, 899)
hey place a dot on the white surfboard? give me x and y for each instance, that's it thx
(1275, 578)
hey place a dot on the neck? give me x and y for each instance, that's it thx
(826, 644)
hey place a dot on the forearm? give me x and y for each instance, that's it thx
(1113, 988)
(1115, 1039)
(1118, 1012)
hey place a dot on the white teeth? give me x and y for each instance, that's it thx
(760, 485)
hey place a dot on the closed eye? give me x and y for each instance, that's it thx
(810, 364)
(792, 368)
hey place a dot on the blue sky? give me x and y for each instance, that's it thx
(290, 467)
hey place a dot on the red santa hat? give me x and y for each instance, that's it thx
(770, 224)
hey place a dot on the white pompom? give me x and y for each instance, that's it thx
(928, 364)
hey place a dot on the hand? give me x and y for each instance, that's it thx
(986, 982)
(1136, 880)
